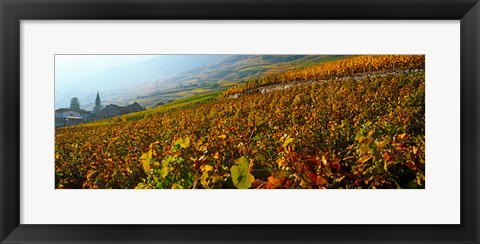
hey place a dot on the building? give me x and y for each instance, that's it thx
(115, 110)
(64, 112)
(68, 117)
(135, 107)
(98, 105)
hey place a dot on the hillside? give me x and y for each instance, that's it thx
(231, 71)
(354, 132)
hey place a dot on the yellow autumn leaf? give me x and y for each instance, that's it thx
(287, 141)
(146, 158)
(363, 149)
(324, 160)
(208, 168)
(177, 186)
(198, 144)
(364, 159)
(90, 174)
(202, 148)
(281, 162)
(402, 136)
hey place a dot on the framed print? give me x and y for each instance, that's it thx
(239, 121)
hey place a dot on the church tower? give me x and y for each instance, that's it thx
(98, 104)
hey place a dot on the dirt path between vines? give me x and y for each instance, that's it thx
(283, 86)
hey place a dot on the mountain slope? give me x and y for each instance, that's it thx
(231, 71)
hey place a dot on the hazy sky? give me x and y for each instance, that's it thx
(118, 78)
(68, 68)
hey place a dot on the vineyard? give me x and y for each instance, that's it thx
(354, 132)
(335, 69)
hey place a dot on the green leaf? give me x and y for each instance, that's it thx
(169, 159)
(165, 169)
(181, 143)
(159, 185)
(175, 148)
(241, 176)
(359, 136)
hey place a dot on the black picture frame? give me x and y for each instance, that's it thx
(13, 11)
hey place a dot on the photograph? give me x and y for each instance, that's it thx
(239, 121)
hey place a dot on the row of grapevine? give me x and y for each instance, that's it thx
(340, 68)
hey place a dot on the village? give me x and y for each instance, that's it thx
(75, 115)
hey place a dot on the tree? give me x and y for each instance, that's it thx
(74, 103)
